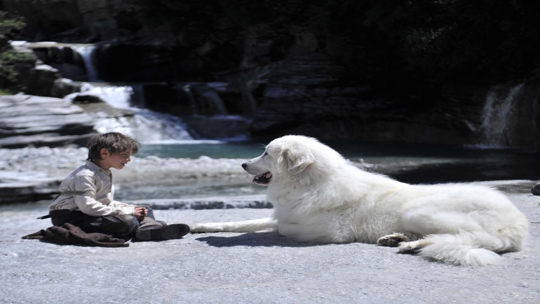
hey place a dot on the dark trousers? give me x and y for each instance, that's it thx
(121, 226)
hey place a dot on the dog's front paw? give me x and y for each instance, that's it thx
(392, 240)
(204, 228)
(409, 247)
(197, 229)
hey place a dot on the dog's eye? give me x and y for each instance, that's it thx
(265, 153)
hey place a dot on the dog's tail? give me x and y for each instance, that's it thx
(468, 249)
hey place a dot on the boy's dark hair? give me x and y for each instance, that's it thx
(114, 142)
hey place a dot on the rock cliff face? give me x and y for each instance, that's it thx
(280, 83)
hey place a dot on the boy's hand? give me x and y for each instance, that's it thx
(140, 213)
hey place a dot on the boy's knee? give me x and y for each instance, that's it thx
(121, 225)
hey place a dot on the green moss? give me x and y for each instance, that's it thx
(11, 57)
(10, 24)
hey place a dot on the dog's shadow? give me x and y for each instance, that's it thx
(255, 239)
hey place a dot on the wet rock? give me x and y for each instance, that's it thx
(45, 80)
(64, 58)
(536, 189)
(87, 98)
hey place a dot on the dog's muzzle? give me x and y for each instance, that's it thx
(263, 179)
(260, 179)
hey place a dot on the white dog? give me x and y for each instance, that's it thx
(319, 197)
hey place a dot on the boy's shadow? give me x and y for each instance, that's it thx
(263, 239)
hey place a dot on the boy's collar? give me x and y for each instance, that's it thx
(93, 165)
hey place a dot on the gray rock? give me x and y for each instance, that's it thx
(16, 187)
(87, 98)
(33, 120)
(536, 189)
(63, 87)
(41, 80)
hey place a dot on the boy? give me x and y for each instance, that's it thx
(86, 196)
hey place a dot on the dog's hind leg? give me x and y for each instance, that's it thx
(413, 247)
(457, 249)
(392, 240)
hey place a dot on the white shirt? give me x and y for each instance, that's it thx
(91, 191)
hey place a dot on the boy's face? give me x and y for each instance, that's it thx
(114, 160)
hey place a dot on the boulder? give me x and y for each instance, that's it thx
(86, 98)
(16, 187)
(45, 80)
(536, 189)
(42, 121)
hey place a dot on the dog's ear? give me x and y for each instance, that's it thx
(298, 159)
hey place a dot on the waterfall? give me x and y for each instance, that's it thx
(201, 103)
(86, 53)
(497, 116)
(204, 100)
(191, 99)
(145, 125)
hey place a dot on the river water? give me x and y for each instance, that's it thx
(412, 163)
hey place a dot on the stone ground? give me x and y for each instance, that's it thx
(252, 268)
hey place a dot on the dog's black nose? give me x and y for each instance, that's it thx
(244, 165)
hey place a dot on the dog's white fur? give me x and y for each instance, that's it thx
(319, 197)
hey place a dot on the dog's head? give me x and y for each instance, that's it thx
(288, 157)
